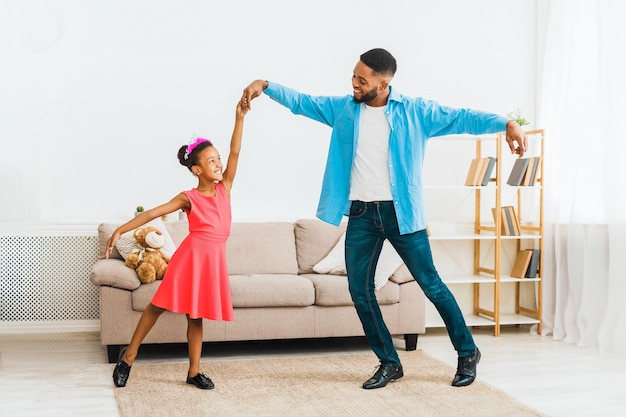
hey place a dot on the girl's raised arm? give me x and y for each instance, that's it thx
(235, 147)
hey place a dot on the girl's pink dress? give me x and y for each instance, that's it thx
(196, 279)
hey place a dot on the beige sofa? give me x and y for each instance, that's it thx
(275, 292)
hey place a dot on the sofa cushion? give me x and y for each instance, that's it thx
(261, 248)
(114, 273)
(401, 275)
(335, 262)
(267, 290)
(143, 295)
(314, 240)
(271, 290)
(332, 290)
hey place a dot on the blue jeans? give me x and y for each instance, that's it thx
(370, 223)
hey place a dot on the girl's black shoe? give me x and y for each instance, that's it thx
(121, 371)
(201, 381)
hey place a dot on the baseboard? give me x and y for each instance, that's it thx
(31, 327)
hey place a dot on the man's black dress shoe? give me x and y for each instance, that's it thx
(201, 381)
(466, 370)
(385, 373)
(121, 371)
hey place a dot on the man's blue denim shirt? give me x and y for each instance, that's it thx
(412, 122)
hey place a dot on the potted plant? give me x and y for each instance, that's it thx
(138, 210)
(517, 116)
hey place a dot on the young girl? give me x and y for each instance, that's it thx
(196, 280)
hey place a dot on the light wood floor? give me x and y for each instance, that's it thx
(67, 374)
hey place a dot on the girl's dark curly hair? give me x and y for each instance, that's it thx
(190, 159)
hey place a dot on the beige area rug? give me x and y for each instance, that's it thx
(310, 386)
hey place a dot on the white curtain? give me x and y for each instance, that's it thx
(582, 108)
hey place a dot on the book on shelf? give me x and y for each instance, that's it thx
(503, 225)
(473, 175)
(510, 213)
(483, 170)
(517, 172)
(525, 171)
(535, 170)
(522, 261)
(509, 222)
(533, 266)
(529, 171)
(489, 163)
(480, 170)
(506, 214)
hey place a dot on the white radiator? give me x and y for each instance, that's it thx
(46, 279)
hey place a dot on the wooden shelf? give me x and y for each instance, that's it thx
(487, 263)
(486, 279)
(508, 319)
(450, 236)
(473, 138)
(479, 321)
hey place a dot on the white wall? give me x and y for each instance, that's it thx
(96, 97)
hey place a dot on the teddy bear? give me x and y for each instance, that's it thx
(149, 262)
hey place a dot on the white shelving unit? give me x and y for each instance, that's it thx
(472, 256)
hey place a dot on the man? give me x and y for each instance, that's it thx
(373, 175)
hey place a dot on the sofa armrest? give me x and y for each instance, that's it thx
(114, 273)
(401, 275)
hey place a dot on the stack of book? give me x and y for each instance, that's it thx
(525, 171)
(527, 264)
(480, 171)
(510, 222)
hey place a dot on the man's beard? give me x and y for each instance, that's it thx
(365, 97)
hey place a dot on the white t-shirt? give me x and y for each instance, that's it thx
(369, 180)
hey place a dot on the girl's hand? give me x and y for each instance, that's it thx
(241, 111)
(110, 243)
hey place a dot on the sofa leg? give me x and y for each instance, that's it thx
(410, 341)
(113, 351)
